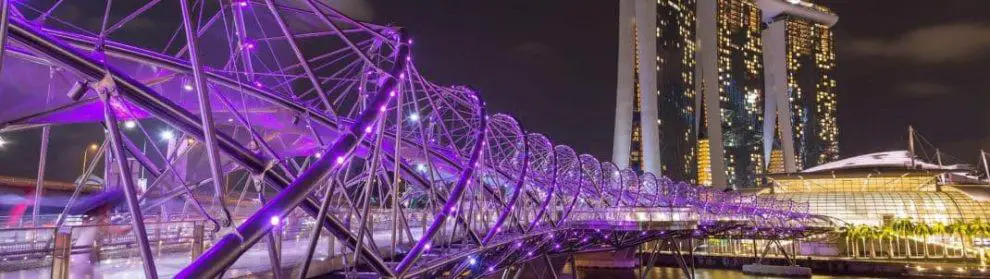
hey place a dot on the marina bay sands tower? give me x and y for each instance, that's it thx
(717, 92)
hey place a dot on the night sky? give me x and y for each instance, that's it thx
(552, 64)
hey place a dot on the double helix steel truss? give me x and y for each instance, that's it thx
(262, 117)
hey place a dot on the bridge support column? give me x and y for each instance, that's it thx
(792, 269)
(61, 255)
(197, 240)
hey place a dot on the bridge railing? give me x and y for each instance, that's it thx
(631, 216)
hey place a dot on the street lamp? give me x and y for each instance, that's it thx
(130, 124)
(91, 148)
(167, 135)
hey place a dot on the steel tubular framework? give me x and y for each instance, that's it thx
(325, 120)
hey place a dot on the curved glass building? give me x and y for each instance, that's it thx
(872, 188)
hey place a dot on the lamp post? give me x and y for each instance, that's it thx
(91, 148)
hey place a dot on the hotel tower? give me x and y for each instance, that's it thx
(708, 88)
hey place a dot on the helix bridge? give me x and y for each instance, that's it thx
(288, 120)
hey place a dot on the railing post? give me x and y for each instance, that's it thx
(330, 244)
(197, 239)
(95, 250)
(61, 254)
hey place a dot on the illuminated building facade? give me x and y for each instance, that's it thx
(811, 86)
(739, 89)
(871, 188)
(676, 91)
(799, 56)
(664, 75)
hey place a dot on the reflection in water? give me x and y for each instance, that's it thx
(672, 272)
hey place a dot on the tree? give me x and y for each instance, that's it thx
(862, 232)
(924, 230)
(904, 227)
(848, 231)
(887, 231)
(940, 229)
(979, 228)
(873, 233)
(960, 228)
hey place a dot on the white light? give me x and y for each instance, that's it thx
(317, 155)
(130, 124)
(167, 135)
(187, 87)
(421, 167)
(340, 160)
(414, 117)
(794, 1)
(472, 261)
(275, 220)
(2, 142)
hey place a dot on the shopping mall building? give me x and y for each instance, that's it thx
(871, 188)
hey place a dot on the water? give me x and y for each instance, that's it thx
(673, 272)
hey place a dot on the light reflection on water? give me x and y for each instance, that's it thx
(672, 272)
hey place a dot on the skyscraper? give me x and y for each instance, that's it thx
(801, 88)
(676, 88)
(732, 79)
(713, 51)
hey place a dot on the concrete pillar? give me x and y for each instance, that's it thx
(197, 240)
(61, 255)
(707, 85)
(624, 89)
(777, 101)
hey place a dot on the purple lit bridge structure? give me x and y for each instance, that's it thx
(244, 135)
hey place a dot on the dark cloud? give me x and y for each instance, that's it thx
(358, 9)
(924, 89)
(954, 42)
(533, 48)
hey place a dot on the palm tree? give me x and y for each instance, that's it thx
(873, 232)
(887, 231)
(904, 227)
(924, 230)
(979, 228)
(848, 231)
(940, 229)
(863, 231)
(961, 228)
